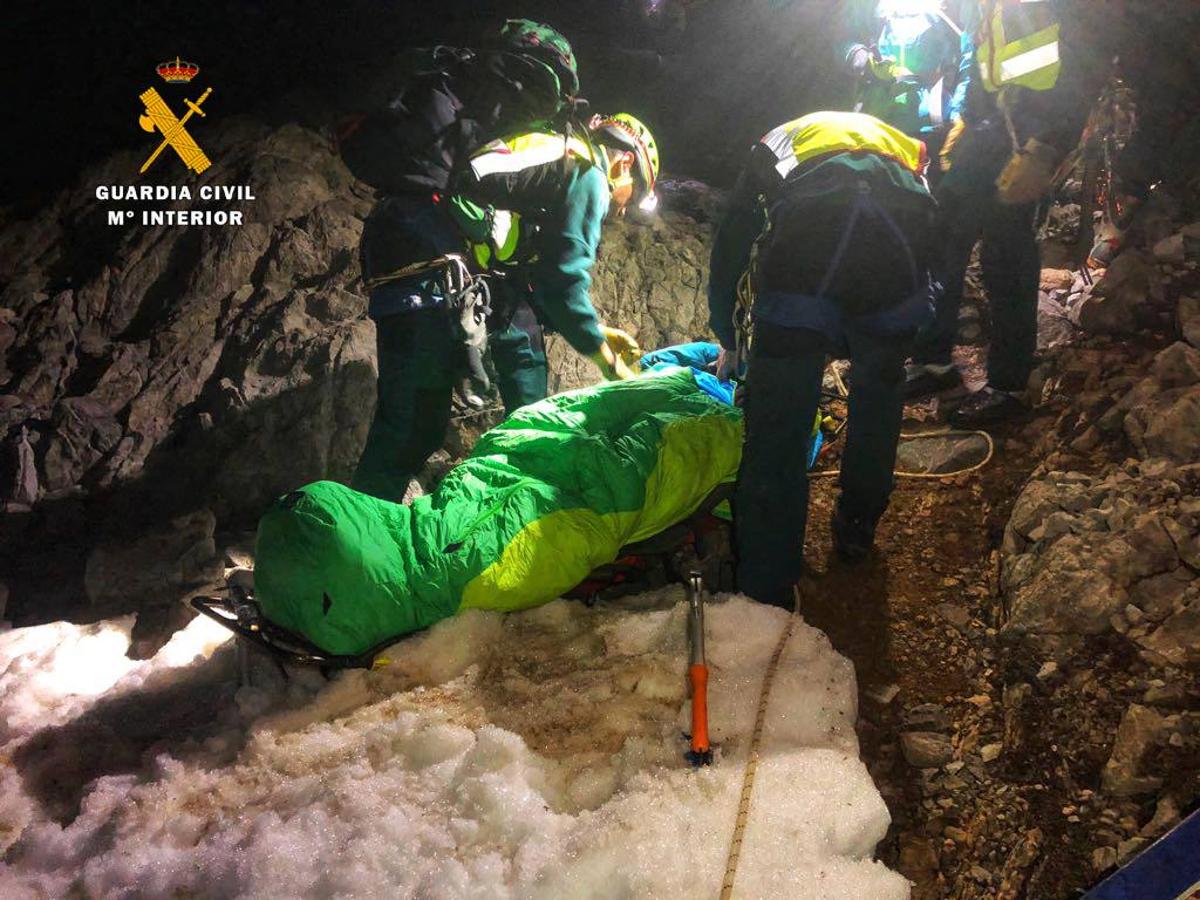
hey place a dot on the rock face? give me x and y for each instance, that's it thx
(149, 373)
(183, 555)
(1084, 556)
(163, 370)
(1141, 727)
(1118, 301)
(1188, 316)
(1161, 413)
(219, 335)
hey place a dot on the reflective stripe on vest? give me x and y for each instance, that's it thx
(936, 104)
(515, 154)
(501, 246)
(827, 133)
(1018, 45)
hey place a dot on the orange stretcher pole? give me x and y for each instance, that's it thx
(700, 753)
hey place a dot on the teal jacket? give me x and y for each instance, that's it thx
(566, 251)
(562, 204)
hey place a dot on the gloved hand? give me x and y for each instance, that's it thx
(952, 138)
(1028, 174)
(726, 364)
(882, 69)
(611, 366)
(621, 342)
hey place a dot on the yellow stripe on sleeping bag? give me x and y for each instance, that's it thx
(559, 550)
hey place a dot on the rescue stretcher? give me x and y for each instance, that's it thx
(639, 566)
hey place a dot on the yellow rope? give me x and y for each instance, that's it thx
(743, 813)
(844, 397)
(991, 451)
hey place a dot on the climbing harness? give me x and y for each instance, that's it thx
(466, 300)
(743, 813)
(743, 322)
(1110, 127)
(800, 310)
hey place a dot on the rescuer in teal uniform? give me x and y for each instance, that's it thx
(983, 84)
(835, 210)
(529, 207)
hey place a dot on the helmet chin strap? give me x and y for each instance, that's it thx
(620, 181)
(612, 159)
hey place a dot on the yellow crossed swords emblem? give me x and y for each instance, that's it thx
(159, 117)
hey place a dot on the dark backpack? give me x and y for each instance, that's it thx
(450, 103)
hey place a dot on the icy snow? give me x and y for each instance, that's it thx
(534, 755)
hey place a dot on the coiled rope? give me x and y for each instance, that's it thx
(843, 395)
(743, 330)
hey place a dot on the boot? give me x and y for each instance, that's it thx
(923, 379)
(853, 538)
(986, 406)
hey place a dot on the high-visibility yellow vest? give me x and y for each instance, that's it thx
(500, 248)
(505, 156)
(509, 156)
(827, 133)
(1017, 44)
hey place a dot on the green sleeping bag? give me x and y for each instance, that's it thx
(546, 497)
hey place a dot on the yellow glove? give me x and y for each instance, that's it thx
(622, 342)
(952, 136)
(884, 70)
(611, 366)
(1028, 174)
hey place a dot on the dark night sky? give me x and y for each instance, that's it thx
(71, 75)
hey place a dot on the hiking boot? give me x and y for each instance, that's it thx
(923, 379)
(853, 538)
(985, 406)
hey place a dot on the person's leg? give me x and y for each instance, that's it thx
(959, 229)
(412, 408)
(876, 408)
(519, 354)
(1010, 263)
(771, 499)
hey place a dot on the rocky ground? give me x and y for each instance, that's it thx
(1028, 639)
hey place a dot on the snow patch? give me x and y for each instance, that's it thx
(533, 755)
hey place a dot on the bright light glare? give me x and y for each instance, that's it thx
(201, 637)
(89, 665)
(649, 203)
(889, 9)
(87, 661)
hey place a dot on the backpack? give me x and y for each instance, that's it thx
(452, 101)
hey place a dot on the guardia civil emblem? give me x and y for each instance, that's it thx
(161, 119)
